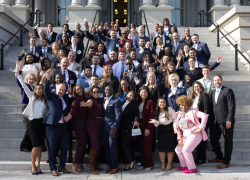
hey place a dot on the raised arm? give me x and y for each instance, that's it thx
(47, 92)
(101, 36)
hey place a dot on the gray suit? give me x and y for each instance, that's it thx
(135, 73)
(107, 40)
(152, 37)
(101, 92)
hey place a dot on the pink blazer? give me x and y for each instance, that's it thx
(193, 115)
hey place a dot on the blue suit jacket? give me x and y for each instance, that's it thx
(59, 37)
(172, 98)
(48, 49)
(113, 114)
(138, 55)
(83, 82)
(136, 41)
(202, 53)
(54, 107)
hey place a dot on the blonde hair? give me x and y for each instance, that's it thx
(104, 77)
(173, 76)
(147, 83)
(141, 26)
(44, 32)
(30, 76)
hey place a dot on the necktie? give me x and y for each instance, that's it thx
(43, 51)
(175, 45)
(31, 51)
(94, 70)
(217, 95)
(122, 70)
(112, 45)
(64, 76)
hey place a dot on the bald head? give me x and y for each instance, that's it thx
(60, 89)
(78, 26)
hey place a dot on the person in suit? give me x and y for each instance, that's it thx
(174, 92)
(44, 47)
(132, 75)
(33, 49)
(35, 113)
(59, 80)
(202, 51)
(136, 61)
(201, 100)
(112, 119)
(84, 80)
(136, 41)
(53, 53)
(146, 112)
(142, 49)
(165, 39)
(187, 37)
(223, 102)
(78, 50)
(109, 79)
(176, 44)
(60, 54)
(56, 125)
(66, 31)
(94, 80)
(101, 50)
(156, 50)
(73, 65)
(51, 35)
(93, 37)
(143, 67)
(164, 118)
(190, 132)
(154, 34)
(79, 116)
(68, 76)
(130, 118)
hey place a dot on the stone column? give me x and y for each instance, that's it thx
(219, 3)
(21, 3)
(5, 2)
(218, 10)
(163, 2)
(21, 10)
(92, 3)
(147, 3)
(76, 3)
(234, 3)
(39, 5)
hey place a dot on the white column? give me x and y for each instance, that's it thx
(219, 3)
(163, 2)
(92, 3)
(147, 3)
(234, 3)
(21, 3)
(5, 3)
(39, 5)
(76, 3)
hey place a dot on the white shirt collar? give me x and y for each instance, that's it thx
(110, 97)
(219, 88)
(131, 69)
(174, 89)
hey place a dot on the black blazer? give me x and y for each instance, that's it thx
(224, 110)
(129, 116)
(114, 83)
(72, 77)
(155, 93)
(204, 105)
(79, 53)
(135, 73)
(86, 61)
(55, 64)
(167, 41)
(180, 46)
(197, 73)
(189, 42)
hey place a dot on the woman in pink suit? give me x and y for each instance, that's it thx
(190, 132)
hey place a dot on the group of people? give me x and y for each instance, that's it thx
(123, 88)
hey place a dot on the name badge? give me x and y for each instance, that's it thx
(71, 82)
(58, 64)
(167, 41)
(79, 52)
(121, 42)
(140, 51)
(213, 88)
(117, 45)
(37, 55)
(100, 95)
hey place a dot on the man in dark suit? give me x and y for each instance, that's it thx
(59, 80)
(65, 30)
(37, 53)
(93, 37)
(68, 76)
(132, 75)
(202, 52)
(165, 39)
(51, 35)
(112, 118)
(56, 127)
(141, 49)
(44, 47)
(223, 101)
(94, 80)
(74, 47)
(176, 44)
(136, 40)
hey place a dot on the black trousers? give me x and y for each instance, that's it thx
(215, 133)
(126, 142)
(26, 142)
(201, 150)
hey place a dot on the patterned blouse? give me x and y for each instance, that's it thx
(185, 123)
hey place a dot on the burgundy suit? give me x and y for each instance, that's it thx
(79, 120)
(146, 142)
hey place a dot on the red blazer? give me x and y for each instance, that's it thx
(122, 42)
(148, 113)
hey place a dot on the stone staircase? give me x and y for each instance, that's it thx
(12, 127)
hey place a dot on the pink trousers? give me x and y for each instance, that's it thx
(191, 141)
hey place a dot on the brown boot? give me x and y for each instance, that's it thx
(96, 164)
(93, 154)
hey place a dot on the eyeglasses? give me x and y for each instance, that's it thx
(96, 92)
(128, 64)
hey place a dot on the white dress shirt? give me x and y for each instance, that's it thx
(207, 84)
(136, 63)
(44, 50)
(99, 70)
(107, 101)
(217, 93)
(118, 35)
(34, 49)
(173, 90)
(39, 109)
(66, 75)
(196, 101)
(117, 68)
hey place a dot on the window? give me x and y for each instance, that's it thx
(62, 11)
(178, 12)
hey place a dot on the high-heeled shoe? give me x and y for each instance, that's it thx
(167, 169)
(73, 169)
(163, 168)
(131, 168)
(32, 172)
(39, 172)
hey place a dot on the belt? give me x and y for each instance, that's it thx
(99, 117)
(59, 124)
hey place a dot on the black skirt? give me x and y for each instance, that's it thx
(36, 131)
(167, 139)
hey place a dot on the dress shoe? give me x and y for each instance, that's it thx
(199, 162)
(47, 159)
(114, 171)
(189, 172)
(54, 173)
(108, 170)
(32, 172)
(25, 150)
(223, 166)
(215, 160)
(64, 171)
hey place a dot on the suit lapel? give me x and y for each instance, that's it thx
(221, 91)
(126, 110)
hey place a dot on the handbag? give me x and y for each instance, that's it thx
(136, 132)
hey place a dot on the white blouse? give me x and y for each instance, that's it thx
(141, 109)
(195, 102)
(39, 109)
(163, 120)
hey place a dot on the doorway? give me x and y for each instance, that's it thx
(120, 12)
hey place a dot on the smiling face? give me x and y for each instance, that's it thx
(72, 57)
(78, 26)
(187, 78)
(170, 67)
(129, 64)
(195, 39)
(128, 46)
(31, 81)
(217, 82)
(44, 43)
(60, 90)
(142, 43)
(133, 55)
(151, 79)
(94, 81)
(32, 42)
(100, 48)
(64, 38)
(112, 55)
(109, 91)
(162, 103)
(109, 71)
(79, 90)
(130, 96)
(158, 41)
(197, 89)
(64, 63)
(187, 31)
(38, 91)
(165, 60)
(124, 86)
(173, 82)
(74, 41)
(143, 94)
(59, 79)
(65, 28)
(146, 58)
(29, 59)
(183, 107)
(95, 93)
(47, 63)
(88, 73)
